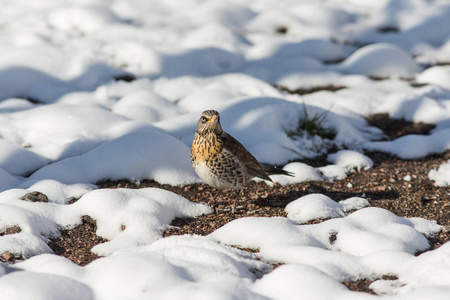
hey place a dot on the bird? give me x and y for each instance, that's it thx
(220, 160)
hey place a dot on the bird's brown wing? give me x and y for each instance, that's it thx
(250, 162)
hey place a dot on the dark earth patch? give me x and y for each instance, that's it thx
(76, 244)
(395, 128)
(304, 91)
(362, 285)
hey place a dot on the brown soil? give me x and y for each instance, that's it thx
(386, 185)
(76, 244)
(304, 91)
(394, 128)
(362, 285)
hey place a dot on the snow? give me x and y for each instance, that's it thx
(26, 244)
(313, 206)
(282, 283)
(140, 217)
(318, 206)
(379, 60)
(412, 277)
(68, 121)
(136, 156)
(43, 286)
(414, 146)
(438, 75)
(353, 203)
(301, 173)
(441, 175)
(350, 160)
(363, 232)
(370, 242)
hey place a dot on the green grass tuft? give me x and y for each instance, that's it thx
(312, 126)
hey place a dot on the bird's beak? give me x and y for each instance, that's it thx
(213, 119)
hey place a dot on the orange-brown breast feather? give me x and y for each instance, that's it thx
(203, 147)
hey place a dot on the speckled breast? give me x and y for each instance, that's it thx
(215, 165)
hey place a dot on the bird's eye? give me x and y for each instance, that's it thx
(204, 119)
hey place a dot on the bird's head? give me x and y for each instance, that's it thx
(209, 121)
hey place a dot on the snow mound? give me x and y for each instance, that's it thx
(439, 75)
(275, 285)
(7, 181)
(41, 286)
(126, 217)
(318, 206)
(363, 232)
(333, 172)
(428, 269)
(414, 146)
(58, 131)
(17, 160)
(135, 156)
(302, 172)
(140, 216)
(313, 206)
(350, 160)
(441, 175)
(380, 60)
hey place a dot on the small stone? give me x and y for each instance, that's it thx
(8, 256)
(333, 237)
(35, 197)
(446, 229)
(13, 230)
(380, 188)
(73, 200)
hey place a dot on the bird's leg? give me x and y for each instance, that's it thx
(218, 192)
(212, 202)
(238, 193)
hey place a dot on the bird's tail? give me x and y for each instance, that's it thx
(272, 170)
